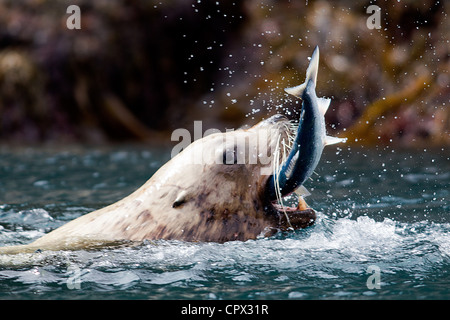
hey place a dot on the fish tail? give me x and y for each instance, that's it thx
(311, 74)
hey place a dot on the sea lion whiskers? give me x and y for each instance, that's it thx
(279, 158)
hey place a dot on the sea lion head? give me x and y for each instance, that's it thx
(232, 186)
(216, 189)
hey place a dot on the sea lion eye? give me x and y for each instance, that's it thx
(230, 156)
(181, 198)
(178, 203)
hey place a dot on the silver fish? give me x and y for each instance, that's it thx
(310, 139)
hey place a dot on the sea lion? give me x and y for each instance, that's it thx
(217, 189)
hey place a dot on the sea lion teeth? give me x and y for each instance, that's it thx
(301, 204)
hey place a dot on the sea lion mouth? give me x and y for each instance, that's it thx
(292, 216)
(289, 209)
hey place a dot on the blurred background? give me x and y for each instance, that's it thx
(137, 70)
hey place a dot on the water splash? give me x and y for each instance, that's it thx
(367, 217)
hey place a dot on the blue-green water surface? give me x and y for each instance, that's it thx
(383, 232)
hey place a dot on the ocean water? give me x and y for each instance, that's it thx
(383, 232)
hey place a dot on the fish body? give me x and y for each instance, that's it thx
(310, 139)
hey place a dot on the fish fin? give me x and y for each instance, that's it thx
(313, 68)
(302, 192)
(296, 91)
(311, 74)
(332, 140)
(323, 104)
